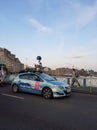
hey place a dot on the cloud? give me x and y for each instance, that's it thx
(82, 14)
(39, 26)
(78, 57)
(86, 15)
(78, 54)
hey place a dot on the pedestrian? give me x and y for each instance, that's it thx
(1, 78)
(74, 78)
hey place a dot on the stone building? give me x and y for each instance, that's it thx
(59, 72)
(10, 61)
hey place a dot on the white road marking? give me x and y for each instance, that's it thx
(12, 96)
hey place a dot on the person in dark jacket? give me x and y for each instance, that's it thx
(74, 78)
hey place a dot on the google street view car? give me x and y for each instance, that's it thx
(37, 82)
(40, 83)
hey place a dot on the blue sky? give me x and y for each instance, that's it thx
(62, 32)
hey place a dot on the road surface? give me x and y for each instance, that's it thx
(23, 111)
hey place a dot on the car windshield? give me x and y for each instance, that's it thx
(47, 77)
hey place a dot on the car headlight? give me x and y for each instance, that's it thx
(60, 87)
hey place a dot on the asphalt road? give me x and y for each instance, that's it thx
(24, 111)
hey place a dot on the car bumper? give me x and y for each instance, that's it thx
(62, 93)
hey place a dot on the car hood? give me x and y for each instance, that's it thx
(59, 83)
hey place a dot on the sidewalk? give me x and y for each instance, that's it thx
(88, 90)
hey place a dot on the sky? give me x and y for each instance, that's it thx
(62, 32)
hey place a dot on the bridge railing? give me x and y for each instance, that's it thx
(88, 84)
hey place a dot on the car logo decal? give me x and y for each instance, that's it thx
(27, 85)
(37, 85)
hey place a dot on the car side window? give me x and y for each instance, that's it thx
(34, 77)
(24, 76)
(30, 77)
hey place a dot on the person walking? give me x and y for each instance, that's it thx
(74, 78)
(1, 78)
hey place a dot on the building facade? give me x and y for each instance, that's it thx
(12, 63)
(60, 72)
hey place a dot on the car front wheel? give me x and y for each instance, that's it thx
(47, 93)
(15, 88)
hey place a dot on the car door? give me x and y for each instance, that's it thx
(25, 84)
(30, 83)
(36, 82)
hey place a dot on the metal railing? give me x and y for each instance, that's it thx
(88, 84)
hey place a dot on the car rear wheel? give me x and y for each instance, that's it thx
(47, 93)
(15, 88)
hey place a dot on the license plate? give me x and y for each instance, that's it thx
(68, 90)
